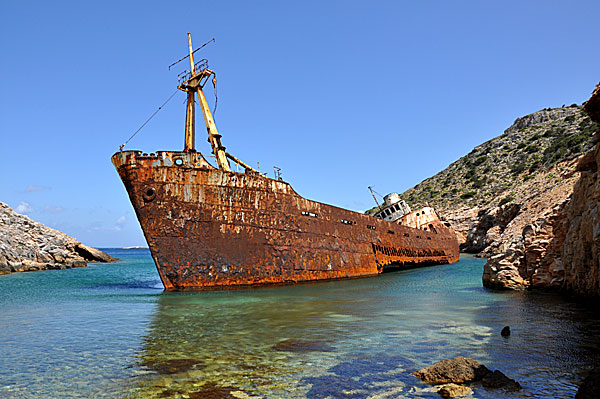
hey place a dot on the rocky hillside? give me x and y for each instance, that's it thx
(26, 245)
(532, 145)
(561, 247)
(529, 166)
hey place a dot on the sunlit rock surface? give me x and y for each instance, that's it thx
(26, 245)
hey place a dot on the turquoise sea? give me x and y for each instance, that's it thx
(109, 331)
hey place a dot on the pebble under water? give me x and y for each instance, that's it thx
(109, 331)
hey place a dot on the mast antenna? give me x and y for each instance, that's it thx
(178, 61)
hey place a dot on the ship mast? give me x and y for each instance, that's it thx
(199, 75)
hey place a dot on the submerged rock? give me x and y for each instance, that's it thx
(453, 390)
(213, 391)
(26, 245)
(292, 345)
(497, 380)
(173, 366)
(457, 370)
(590, 388)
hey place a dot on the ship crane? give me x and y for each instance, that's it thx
(192, 83)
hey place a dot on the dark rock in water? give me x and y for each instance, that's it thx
(497, 380)
(505, 331)
(453, 390)
(461, 369)
(173, 366)
(292, 345)
(590, 388)
(457, 370)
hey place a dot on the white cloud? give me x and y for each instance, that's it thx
(116, 227)
(24, 208)
(32, 188)
(120, 222)
(53, 209)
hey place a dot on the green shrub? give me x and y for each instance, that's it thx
(468, 194)
(480, 159)
(590, 129)
(531, 148)
(517, 168)
(534, 166)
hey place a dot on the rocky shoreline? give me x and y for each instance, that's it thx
(26, 245)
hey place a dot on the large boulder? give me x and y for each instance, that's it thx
(457, 370)
(503, 270)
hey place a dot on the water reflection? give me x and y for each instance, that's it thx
(244, 340)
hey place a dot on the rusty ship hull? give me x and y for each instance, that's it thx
(208, 228)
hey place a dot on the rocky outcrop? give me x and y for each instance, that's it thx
(457, 370)
(464, 370)
(561, 248)
(26, 245)
(527, 246)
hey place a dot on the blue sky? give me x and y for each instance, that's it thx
(339, 94)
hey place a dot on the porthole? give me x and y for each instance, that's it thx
(178, 161)
(149, 194)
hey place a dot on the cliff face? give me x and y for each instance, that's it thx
(580, 251)
(26, 245)
(561, 249)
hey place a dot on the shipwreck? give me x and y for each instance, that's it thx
(208, 226)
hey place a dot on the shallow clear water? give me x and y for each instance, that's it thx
(109, 331)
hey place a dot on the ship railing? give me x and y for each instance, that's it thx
(199, 67)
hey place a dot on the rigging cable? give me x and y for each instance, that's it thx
(214, 81)
(147, 120)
